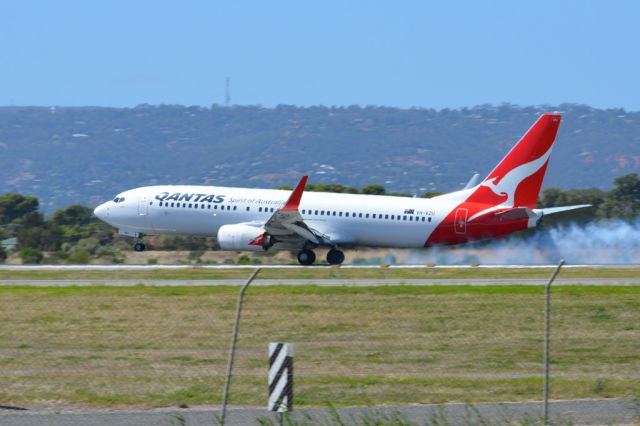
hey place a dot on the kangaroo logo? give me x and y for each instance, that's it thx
(257, 241)
(507, 185)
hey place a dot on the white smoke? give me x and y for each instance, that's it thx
(600, 242)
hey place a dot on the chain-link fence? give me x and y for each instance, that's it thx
(377, 345)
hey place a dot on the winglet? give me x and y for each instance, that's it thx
(294, 200)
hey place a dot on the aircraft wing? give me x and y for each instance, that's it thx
(287, 225)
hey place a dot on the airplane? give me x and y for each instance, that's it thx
(262, 219)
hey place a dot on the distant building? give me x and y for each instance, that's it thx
(9, 243)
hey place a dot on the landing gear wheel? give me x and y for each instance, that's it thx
(306, 257)
(139, 247)
(335, 257)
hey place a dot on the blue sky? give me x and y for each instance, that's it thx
(443, 54)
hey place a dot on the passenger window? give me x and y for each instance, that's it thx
(404, 218)
(160, 203)
(360, 215)
(340, 214)
(235, 207)
(247, 208)
(190, 205)
(334, 213)
(316, 212)
(429, 218)
(321, 212)
(386, 216)
(366, 216)
(302, 211)
(374, 216)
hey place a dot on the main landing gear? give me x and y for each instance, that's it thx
(335, 257)
(307, 257)
(139, 246)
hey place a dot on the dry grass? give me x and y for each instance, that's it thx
(327, 272)
(162, 346)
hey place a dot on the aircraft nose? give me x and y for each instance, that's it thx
(101, 212)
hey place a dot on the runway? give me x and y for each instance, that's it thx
(581, 412)
(323, 282)
(178, 267)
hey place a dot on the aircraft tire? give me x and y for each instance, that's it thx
(306, 257)
(335, 257)
(139, 247)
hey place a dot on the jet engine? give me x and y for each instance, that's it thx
(243, 237)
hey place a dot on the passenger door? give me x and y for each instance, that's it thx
(143, 205)
(460, 224)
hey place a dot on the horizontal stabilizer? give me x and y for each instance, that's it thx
(517, 213)
(552, 210)
(475, 179)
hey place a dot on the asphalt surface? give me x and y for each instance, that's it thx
(324, 282)
(586, 412)
(5, 267)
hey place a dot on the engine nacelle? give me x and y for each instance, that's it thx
(243, 237)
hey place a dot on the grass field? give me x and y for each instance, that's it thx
(162, 346)
(198, 273)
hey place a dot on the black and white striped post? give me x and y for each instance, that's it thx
(280, 377)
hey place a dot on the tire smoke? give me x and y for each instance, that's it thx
(598, 243)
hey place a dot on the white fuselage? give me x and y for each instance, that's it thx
(349, 219)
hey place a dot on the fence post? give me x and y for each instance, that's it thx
(232, 351)
(547, 328)
(280, 378)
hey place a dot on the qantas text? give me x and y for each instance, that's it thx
(202, 198)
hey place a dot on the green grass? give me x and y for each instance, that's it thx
(166, 346)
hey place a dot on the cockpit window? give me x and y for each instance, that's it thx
(118, 199)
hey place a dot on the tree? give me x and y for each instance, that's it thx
(39, 237)
(14, 206)
(373, 189)
(431, 194)
(74, 215)
(623, 201)
(555, 197)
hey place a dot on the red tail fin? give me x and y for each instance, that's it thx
(520, 173)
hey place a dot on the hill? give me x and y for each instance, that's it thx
(86, 155)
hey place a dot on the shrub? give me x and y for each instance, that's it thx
(31, 255)
(79, 256)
